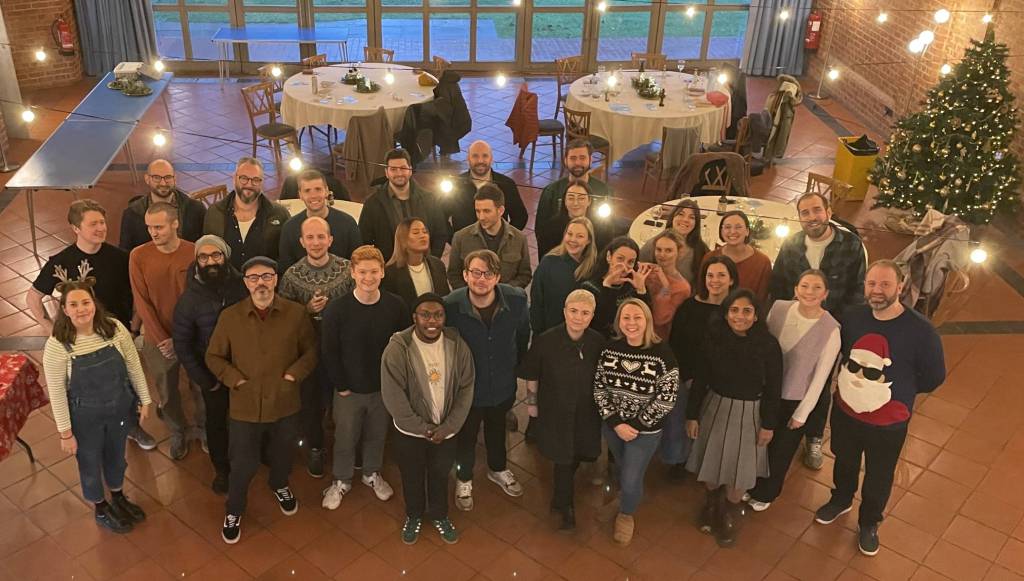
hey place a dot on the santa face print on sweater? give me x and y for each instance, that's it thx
(863, 384)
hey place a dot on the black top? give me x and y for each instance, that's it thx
(398, 280)
(608, 300)
(689, 332)
(354, 338)
(344, 231)
(110, 268)
(745, 368)
(461, 209)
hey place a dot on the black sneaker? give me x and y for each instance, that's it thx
(287, 501)
(141, 438)
(128, 508)
(110, 518)
(830, 512)
(232, 530)
(316, 463)
(411, 530)
(868, 540)
(220, 483)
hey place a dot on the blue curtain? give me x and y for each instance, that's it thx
(774, 46)
(114, 31)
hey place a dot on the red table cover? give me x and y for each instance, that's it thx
(20, 394)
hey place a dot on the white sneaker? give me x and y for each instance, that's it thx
(758, 506)
(334, 493)
(507, 481)
(463, 495)
(380, 486)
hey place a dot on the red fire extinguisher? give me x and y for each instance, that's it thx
(812, 38)
(61, 32)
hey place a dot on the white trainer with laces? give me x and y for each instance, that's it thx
(333, 494)
(507, 481)
(380, 487)
(463, 494)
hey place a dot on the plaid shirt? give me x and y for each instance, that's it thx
(844, 262)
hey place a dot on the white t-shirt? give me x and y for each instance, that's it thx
(432, 355)
(794, 329)
(816, 249)
(420, 276)
(243, 227)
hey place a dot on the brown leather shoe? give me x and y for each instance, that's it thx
(624, 526)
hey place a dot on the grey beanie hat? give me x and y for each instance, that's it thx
(213, 240)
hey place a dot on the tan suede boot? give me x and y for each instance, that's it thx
(624, 526)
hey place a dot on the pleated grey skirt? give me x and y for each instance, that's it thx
(726, 450)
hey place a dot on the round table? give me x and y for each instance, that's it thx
(629, 121)
(353, 209)
(338, 102)
(773, 214)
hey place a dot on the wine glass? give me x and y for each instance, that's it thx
(681, 65)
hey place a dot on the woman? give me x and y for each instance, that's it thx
(809, 338)
(754, 266)
(95, 382)
(559, 273)
(412, 270)
(559, 375)
(635, 387)
(577, 203)
(732, 411)
(685, 221)
(665, 285)
(617, 279)
(689, 332)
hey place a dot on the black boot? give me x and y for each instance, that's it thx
(126, 507)
(709, 514)
(568, 520)
(109, 517)
(728, 523)
(220, 483)
(676, 473)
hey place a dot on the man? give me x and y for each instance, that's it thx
(260, 350)
(158, 271)
(460, 202)
(837, 252)
(314, 281)
(492, 233)
(213, 286)
(248, 221)
(397, 199)
(577, 163)
(890, 355)
(108, 264)
(427, 385)
(162, 188)
(494, 321)
(356, 330)
(313, 191)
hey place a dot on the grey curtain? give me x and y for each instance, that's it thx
(114, 31)
(774, 46)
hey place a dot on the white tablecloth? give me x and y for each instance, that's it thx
(645, 226)
(353, 209)
(629, 121)
(340, 102)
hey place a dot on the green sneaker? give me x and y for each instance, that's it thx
(411, 530)
(447, 531)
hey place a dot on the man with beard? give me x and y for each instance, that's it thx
(395, 200)
(158, 272)
(577, 164)
(213, 285)
(459, 203)
(343, 228)
(890, 355)
(248, 221)
(314, 281)
(492, 233)
(261, 350)
(162, 188)
(836, 251)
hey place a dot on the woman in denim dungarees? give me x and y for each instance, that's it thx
(101, 398)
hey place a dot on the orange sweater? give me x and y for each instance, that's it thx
(755, 272)
(158, 280)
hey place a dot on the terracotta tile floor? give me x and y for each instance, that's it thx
(956, 511)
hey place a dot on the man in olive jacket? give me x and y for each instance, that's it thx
(249, 355)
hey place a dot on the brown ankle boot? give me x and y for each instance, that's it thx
(708, 514)
(624, 526)
(728, 523)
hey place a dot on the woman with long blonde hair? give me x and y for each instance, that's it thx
(561, 271)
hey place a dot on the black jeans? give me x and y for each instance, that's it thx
(316, 395)
(246, 441)
(424, 467)
(217, 407)
(881, 450)
(565, 479)
(781, 450)
(493, 419)
(815, 425)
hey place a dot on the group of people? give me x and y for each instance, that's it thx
(669, 348)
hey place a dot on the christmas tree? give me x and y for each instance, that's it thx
(954, 154)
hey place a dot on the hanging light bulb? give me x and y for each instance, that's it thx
(604, 210)
(612, 81)
(517, 2)
(389, 78)
(722, 78)
(159, 139)
(978, 255)
(942, 16)
(945, 69)
(602, 6)
(782, 230)
(447, 186)
(690, 11)
(295, 163)
(833, 74)
(915, 46)
(882, 17)
(926, 37)
(784, 15)
(40, 55)
(501, 80)
(28, 115)
(275, 71)
(159, 66)
(986, 18)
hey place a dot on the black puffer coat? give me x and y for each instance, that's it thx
(452, 112)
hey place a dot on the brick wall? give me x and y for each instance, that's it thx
(28, 26)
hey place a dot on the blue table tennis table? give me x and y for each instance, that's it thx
(271, 34)
(78, 153)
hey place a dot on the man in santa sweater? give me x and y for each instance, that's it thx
(890, 354)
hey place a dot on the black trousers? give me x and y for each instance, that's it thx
(246, 441)
(880, 448)
(565, 480)
(493, 419)
(814, 427)
(781, 450)
(424, 467)
(315, 393)
(217, 406)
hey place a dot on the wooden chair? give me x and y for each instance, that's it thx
(278, 83)
(659, 168)
(552, 128)
(373, 54)
(577, 126)
(440, 66)
(259, 100)
(211, 195)
(715, 179)
(568, 70)
(318, 60)
(652, 61)
(831, 189)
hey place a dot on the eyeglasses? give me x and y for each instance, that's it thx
(248, 180)
(870, 373)
(213, 256)
(484, 274)
(255, 278)
(430, 316)
(168, 178)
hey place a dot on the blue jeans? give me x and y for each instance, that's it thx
(631, 460)
(675, 444)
